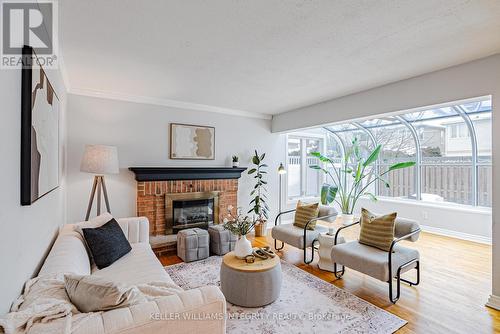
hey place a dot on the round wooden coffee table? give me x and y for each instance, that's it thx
(250, 284)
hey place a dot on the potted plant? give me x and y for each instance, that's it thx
(258, 203)
(240, 225)
(236, 162)
(351, 178)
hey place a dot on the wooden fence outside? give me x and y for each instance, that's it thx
(451, 182)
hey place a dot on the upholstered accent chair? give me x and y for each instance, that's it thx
(377, 263)
(302, 238)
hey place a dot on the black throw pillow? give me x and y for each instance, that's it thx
(107, 243)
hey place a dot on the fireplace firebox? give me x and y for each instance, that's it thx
(192, 213)
(187, 210)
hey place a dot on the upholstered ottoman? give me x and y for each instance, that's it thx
(192, 244)
(221, 240)
(250, 285)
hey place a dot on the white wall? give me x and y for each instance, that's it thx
(141, 133)
(456, 221)
(473, 79)
(26, 232)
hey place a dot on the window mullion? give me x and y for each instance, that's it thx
(374, 143)
(473, 140)
(418, 157)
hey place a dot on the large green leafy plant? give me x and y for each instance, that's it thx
(258, 203)
(352, 177)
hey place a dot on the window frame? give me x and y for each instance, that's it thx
(303, 137)
(464, 130)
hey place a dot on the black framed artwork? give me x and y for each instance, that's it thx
(39, 131)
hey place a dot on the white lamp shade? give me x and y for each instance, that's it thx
(100, 159)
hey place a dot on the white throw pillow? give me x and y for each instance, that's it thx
(93, 223)
(92, 294)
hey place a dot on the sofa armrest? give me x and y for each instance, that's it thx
(201, 310)
(136, 229)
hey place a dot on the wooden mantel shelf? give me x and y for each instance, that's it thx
(144, 174)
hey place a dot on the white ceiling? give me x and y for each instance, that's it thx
(265, 56)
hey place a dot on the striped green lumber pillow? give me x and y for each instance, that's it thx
(304, 213)
(377, 231)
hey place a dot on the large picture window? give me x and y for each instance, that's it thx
(398, 145)
(451, 146)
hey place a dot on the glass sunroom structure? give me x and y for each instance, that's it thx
(450, 145)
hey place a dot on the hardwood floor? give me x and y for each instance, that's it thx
(455, 285)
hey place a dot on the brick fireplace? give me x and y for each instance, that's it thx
(159, 188)
(155, 199)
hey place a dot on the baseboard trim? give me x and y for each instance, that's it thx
(455, 234)
(494, 302)
(434, 230)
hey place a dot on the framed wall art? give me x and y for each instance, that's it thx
(39, 131)
(192, 142)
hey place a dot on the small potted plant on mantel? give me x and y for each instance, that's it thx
(236, 161)
(258, 203)
(240, 225)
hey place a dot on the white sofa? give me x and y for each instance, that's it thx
(168, 314)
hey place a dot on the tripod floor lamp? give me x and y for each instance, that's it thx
(99, 160)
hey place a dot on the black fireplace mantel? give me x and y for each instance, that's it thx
(144, 174)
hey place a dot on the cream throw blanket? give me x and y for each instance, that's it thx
(44, 307)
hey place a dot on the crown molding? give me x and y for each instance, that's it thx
(166, 103)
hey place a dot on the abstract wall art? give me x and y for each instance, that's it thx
(192, 142)
(39, 131)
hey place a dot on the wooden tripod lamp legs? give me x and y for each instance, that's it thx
(100, 186)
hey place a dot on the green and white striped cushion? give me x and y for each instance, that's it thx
(377, 231)
(304, 213)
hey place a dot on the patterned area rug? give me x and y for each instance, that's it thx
(306, 304)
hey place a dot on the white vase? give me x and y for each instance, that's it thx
(243, 247)
(236, 164)
(347, 218)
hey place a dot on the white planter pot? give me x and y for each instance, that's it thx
(347, 219)
(243, 247)
(236, 163)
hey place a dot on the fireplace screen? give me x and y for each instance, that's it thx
(192, 213)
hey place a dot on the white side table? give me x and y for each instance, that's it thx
(326, 243)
